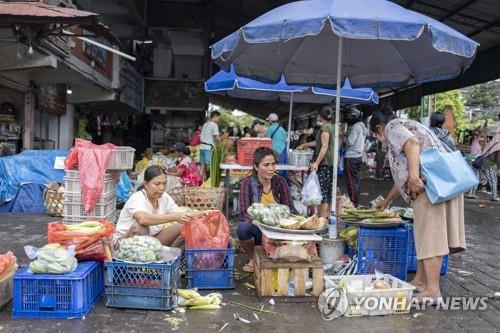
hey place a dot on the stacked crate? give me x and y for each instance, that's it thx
(122, 158)
(74, 212)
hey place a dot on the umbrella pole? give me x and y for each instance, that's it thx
(289, 124)
(336, 131)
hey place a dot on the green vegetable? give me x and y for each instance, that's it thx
(53, 259)
(139, 249)
(269, 215)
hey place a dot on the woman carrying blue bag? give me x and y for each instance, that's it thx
(439, 227)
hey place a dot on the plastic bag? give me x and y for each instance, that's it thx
(7, 263)
(145, 249)
(289, 250)
(270, 214)
(87, 246)
(311, 192)
(207, 231)
(124, 187)
(51, 259)
(91, 160)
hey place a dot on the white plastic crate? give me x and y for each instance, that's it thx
(77, 197)
(72, 186)
(396, 300)
(77, 218)
(100, 208)
(122, 158)
(300, 158)
(76, 174)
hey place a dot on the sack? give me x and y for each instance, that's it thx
(447, 175)
(207, 231)
(7, 263)
(311, 192)
(51, 259)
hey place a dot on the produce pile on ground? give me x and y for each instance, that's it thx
(279, 216)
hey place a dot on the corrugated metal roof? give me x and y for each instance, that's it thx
(37, 12)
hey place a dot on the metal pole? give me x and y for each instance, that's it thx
(289, 123)
(336, 132)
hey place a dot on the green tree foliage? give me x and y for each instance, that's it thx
(484, 96)
(452, 97)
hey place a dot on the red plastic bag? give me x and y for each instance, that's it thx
(88, 247)
(91, 161)
(7, 261)
(207, 231)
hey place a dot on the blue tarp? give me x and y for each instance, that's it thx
(29, 199)
(28, 167)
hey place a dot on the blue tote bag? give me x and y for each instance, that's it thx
(447, 175)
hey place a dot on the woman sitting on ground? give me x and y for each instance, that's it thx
(186, 169)
(147, 210)
(263, 186)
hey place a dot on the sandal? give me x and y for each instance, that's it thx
(248, 268)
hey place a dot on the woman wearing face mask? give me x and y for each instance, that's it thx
(147, 210)
(186, 169)
(323, 162)
(439, 229)
(263, 186)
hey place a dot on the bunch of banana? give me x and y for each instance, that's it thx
(193, 300)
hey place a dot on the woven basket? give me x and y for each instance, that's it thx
(199, 198)
(178, 194)
(53, 201)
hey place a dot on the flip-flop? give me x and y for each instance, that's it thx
(248, 268)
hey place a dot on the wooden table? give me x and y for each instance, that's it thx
(229, 167)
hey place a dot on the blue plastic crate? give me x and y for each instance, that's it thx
(412, 254)
(383, 249)
(142, 286)
(210, 268)
(70, 295)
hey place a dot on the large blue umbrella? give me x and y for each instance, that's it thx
(232, 85)
(320, 42)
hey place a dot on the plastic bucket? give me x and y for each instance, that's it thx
(330, 250)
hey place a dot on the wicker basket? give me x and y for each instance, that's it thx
(199, 198)
(178, 194)
(53, 200)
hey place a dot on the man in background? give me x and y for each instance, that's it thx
(277, 134)
(209, 136)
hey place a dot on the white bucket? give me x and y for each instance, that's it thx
(330, 250)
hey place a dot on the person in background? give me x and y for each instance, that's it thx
(302, 140)
(263, 186)
(438, 228)
(209, 136)
(196, 136)
(277, 134)
(475, 151)
(436, 124)
(323, 157)
(186, 169)
(147, 210)
(258, 129)
(354, 147)
(491, 164)
(246, 132)
(450, 122)
(147, 157)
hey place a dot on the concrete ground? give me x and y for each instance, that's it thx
(475, 272)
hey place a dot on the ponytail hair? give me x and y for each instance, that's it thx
(381, 117)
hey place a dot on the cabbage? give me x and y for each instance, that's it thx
(269, 215)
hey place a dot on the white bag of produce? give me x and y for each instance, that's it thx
(311, 192)
(144, 249)
(269, 215)
(51, 259)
